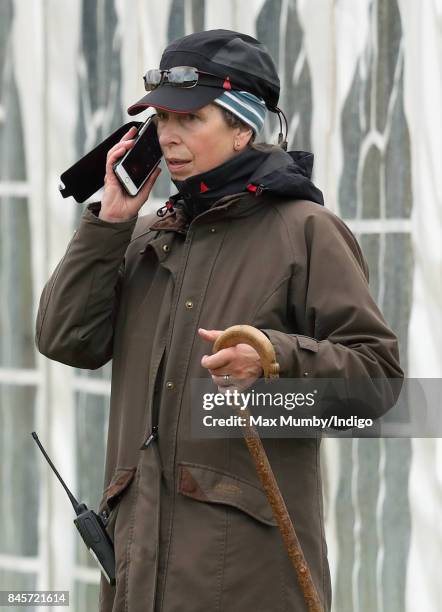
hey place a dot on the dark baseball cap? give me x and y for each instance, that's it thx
(237, 61)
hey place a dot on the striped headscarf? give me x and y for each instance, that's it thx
(246, 106)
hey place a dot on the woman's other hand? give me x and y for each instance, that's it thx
(241, 362)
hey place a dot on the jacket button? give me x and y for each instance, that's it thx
(166, 248)
(170, 385)
(305, 373)
(213, 230)
(189, 304)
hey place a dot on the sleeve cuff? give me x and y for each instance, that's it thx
(93, 210)
(295, 354)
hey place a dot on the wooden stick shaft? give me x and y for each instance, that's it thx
(280, 512)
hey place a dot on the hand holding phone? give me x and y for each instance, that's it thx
(117, 204)
(136, 166)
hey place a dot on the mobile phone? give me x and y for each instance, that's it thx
(86, 176)
(136, 166)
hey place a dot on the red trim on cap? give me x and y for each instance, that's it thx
(227, 84)
(252, 188)
(170, 110)
(203, 187)
(140, 107)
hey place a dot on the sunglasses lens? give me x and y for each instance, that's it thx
(152, 79)
(183, 76)
(179, 76)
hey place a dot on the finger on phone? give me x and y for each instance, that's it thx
(119, 149)
(155, 174)
(114, 157)
(129, 134)
(148, 185)
(153, 177)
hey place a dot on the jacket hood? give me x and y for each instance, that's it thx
(263, 168)
(286, 173)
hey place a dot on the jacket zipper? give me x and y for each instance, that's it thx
(153, 436)
(159, 375)
(154, 432)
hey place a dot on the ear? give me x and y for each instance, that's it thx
(243, 134)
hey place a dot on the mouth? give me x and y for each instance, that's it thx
(176, 164)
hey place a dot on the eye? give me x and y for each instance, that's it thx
(190, 116)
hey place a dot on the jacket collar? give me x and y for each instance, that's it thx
(199, 192)
(233, 205)
(278, 173)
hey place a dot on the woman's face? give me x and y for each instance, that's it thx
(197, 141)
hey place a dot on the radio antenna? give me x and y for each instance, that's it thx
(79, 508)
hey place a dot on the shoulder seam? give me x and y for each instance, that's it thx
(283, 221)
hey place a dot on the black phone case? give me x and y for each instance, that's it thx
(86, 176)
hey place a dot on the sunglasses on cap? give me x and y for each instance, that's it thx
(183, 76)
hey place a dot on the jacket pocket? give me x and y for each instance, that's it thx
(223, 527)
(307, 343)
(206, 484)
(118, 486)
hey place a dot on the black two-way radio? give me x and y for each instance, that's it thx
(91, 528)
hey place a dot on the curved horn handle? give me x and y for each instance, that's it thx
(248, 334)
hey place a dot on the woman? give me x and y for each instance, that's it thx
(245, 240)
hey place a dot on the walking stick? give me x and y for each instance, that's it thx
(250, 335)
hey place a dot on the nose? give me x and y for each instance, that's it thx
(167, 134)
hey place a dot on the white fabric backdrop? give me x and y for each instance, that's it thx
(48, 61)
